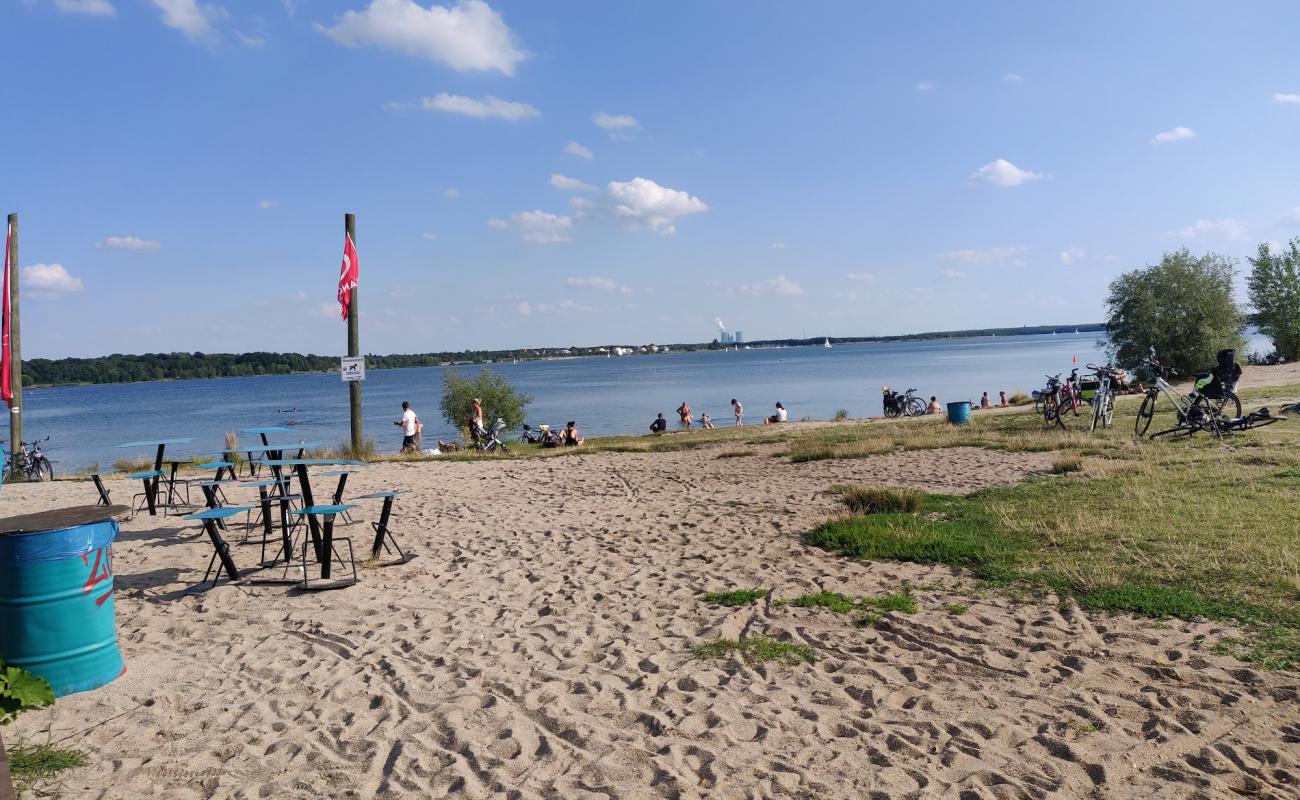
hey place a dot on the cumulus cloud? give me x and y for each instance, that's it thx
(1003, 173)
(1287, 98)
(642, 202)
(779, 285)
(127, 243)
(986, 255)
(1071, 256)
(487, 107)
(91, 8)
(451, 193)
(1227, 228)
(566, 184)
(538, 227)
(190, 18)
(1176, 135)
(466, 36)
(575, 149)
(614, 122)
(50, 280)
(953, 274)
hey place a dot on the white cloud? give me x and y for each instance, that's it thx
(451, 193)
(267, 204)
(1227, 228)
(861, 277)
(127, 243)
(594, 282)
(466, 36)
(641, 201)
(50, 280)
(777, 245)
(987, 255)
(1003, 173)
(1013, 77)
(566, 184)
(429, 237)
(1071, 256)
(953, 274)
(925, 86)
(778, 285)
(327, 311)
(538, 227)
(1176, 135)
(1287, 98)
(524, 309)
(190, 18)
(614, 122)
(250, 41)
(487, 107)
(575, 149)
(91, 8)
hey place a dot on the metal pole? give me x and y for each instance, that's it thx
(15, 349)
(354, 345)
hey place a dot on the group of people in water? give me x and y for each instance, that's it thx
(686, 417)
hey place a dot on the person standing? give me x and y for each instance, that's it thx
(1002, 399)
(684, 412)
(410, 425)
(740, 411)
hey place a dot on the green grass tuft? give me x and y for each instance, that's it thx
(904, 603)
(1066, 463)
(879, 499)
(35, 766)
(1272, 647)
(839, 603)
(956, 609)
(735, 597)
(756, 651)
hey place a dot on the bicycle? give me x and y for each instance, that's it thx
(906, 404)
(1196, 412)
(1050, 401)
(30, 463)
(1103, 402)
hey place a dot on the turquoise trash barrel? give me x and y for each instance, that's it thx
(56, 598)
(959, 413)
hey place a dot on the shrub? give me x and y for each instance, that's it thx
(879, 499)
(500, 399)
(841, 415)
(1274, 284)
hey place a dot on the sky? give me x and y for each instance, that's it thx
(582, 173)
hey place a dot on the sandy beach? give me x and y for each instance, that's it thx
(539, 647)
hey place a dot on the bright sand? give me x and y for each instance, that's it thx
(539, 647)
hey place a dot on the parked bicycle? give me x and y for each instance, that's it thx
(906, 404)
(1195, 412)
(1103, 400)
(31, 463)
(1050, 400)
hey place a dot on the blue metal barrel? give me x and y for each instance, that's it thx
(56, 597)
(959, 413)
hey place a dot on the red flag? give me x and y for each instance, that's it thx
(348, 274)
(6, 390)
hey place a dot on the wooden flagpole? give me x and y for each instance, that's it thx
(354, 343)
(15, 349)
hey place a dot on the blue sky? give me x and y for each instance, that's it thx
(565, 173)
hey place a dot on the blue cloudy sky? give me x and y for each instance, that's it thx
(555, 173)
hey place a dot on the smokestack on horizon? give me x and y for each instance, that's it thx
(721, 327)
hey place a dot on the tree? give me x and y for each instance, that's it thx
(499, 397)
(1274, 285)
(1182, 307)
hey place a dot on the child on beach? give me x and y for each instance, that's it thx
(705, 422)
(739, 409)
(1002, 399)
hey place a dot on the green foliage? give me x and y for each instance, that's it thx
(34, 766)
(499, 397)
(879, 499)
(1274, 286)
(956, 609)
(1182, 306)
(843, 604)
(903, 602)
(735, 597)
(1270, 646)
(21, 691)
(756, 651)
(841, 415)
(839, 603)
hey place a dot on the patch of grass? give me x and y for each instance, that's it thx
(366, 452)
(1066, 463)
(839, 603)
(735, 597)
(1270, 646)
(879, 499)
(735, 453)
(867, 618)
(35, 767)
(129, 465)
(956, 609)
(756, 651)
(841, 414)
(843, 604)
(910, 538)
(904, 602)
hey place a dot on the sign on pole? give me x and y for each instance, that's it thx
(353, 368)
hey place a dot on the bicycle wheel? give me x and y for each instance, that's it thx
(1098, 412)
(1108, 409)
(43, 469)
(915, 407)
(1229, 405)
(1049, 409)
(891, 411)
(1145, 413)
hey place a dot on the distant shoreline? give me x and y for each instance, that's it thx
(44, 373)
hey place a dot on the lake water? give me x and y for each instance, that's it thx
(603, 395)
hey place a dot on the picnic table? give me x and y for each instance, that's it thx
(152, 477)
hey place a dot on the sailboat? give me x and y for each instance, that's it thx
(826, 343)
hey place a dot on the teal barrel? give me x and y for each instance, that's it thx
(56, 597)
(959, 413)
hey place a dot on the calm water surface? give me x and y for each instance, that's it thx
(603, 395)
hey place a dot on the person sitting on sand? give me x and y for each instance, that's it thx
(684, 411)
(779, 416)
(1002, 399)
(984, 401)
(570, 435)
(705, 422)
(659, 425)
(739, 409)
(934, 408)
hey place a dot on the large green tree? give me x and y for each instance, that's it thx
(1274, 284)
(499, 397)
(1183, 307)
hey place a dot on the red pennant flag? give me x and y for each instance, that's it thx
(349, 272)
(6, 389)
(1074, 359)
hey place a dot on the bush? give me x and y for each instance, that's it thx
(1182, 306)
(841, 415)
(1274, 284)
(500, 399)
(1019, 399)
(879, 499)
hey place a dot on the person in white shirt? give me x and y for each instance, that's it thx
(410, 425)
(781, 415)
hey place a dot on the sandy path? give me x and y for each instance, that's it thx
(539, 647)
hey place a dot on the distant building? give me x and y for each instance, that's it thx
(739, 337)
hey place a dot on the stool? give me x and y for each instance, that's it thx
(210, 517)
(325, 549)
(383, 534)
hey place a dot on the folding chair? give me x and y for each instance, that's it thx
(220, 550)
(383, 534)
